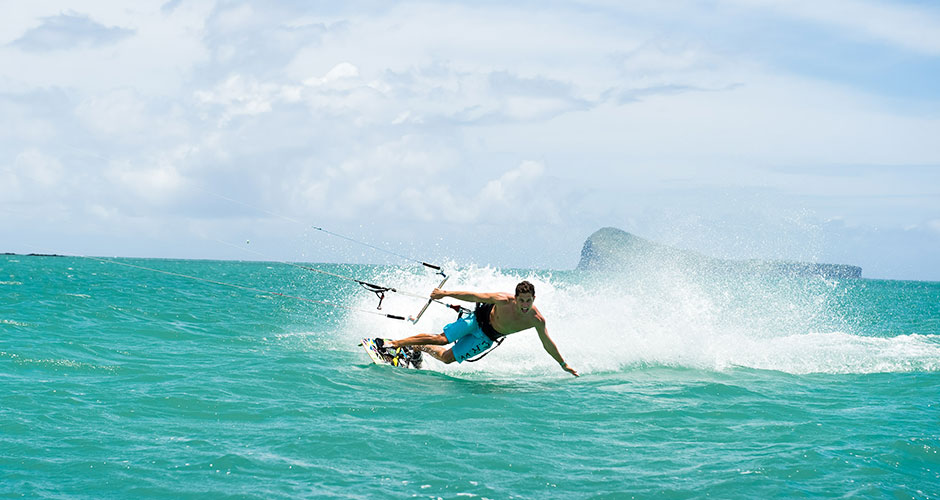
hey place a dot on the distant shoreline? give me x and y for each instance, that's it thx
(33, 254)
(14, 254)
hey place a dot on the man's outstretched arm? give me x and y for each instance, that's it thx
(551, 349)
(486, 298)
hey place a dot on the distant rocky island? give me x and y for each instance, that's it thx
(612, 249)
(33, 254)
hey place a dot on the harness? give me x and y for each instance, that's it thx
(482, 314)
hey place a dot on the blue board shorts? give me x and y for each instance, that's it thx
(470, 339)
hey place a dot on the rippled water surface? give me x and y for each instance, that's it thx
(124, 382)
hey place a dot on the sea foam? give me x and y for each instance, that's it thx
(667, 317)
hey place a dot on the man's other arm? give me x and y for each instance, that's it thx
(550, 347)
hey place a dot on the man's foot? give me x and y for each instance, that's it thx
(417, 359)
(383, 347)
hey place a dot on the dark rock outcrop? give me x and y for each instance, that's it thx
(611, 249)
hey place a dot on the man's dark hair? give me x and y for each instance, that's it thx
(525, 287)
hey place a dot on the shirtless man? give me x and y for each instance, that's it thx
(497, 314)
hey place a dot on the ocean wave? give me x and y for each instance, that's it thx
(56, 363)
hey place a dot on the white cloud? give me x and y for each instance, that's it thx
(913, 27)
(517, 196)
(240, 95)
(934, 225)
(771, 119)
(436, 112)
(69, 30)
(118, 112)
(155, 58)
(235, 17)
(501, 190)
(909, 25)
(337, 77)
(42, 169)
(158, 184)
(467, 40)
(25, 118)
(34, 179)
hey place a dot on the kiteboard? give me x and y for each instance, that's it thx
(403, 357)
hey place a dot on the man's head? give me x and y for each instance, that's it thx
(525, 296)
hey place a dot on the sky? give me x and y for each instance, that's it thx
(488, 133)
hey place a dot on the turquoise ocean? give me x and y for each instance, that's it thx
(124, 382)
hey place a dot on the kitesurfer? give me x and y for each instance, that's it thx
(497, 314)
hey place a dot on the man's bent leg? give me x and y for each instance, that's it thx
(420, 339)
(445, 356)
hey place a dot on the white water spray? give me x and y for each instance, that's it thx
(604, 323)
